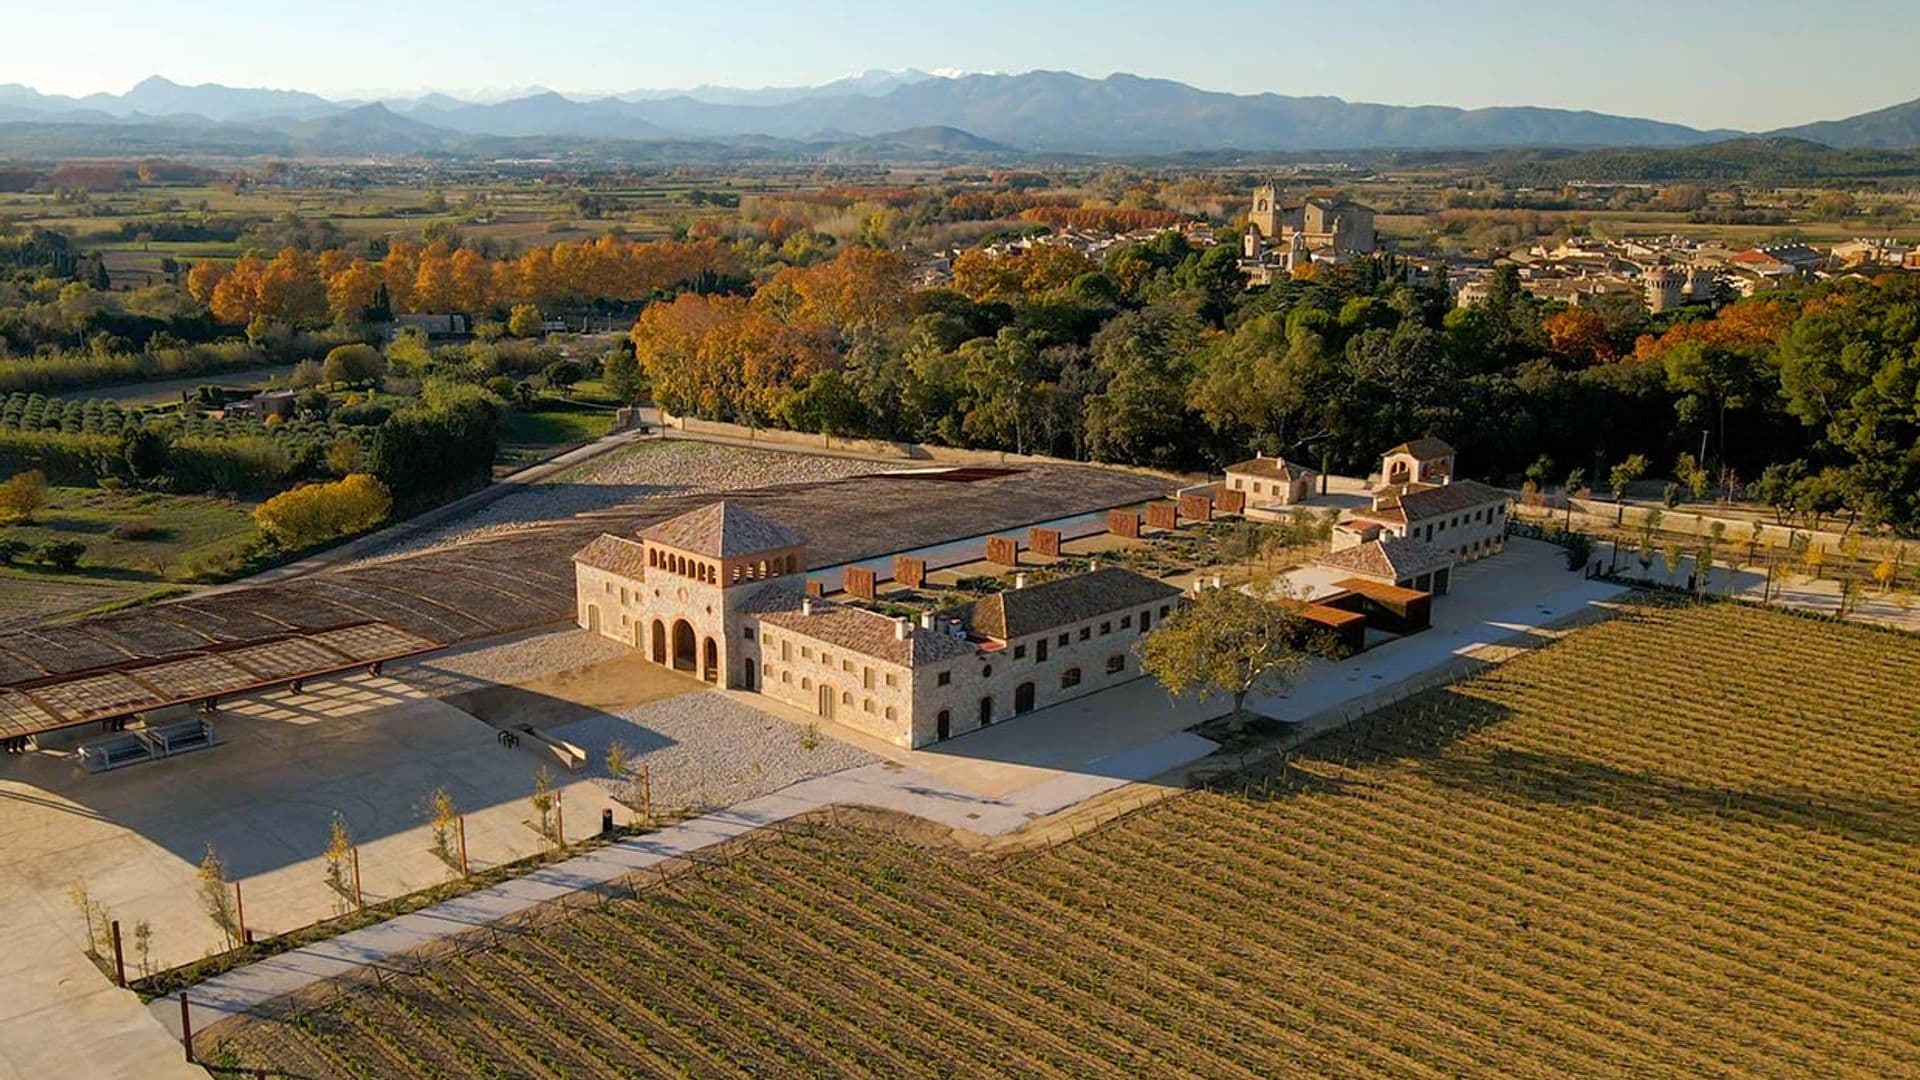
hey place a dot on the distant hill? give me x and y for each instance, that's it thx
(901, 115)
(1896, 127)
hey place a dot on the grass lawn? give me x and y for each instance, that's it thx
(190, 534)
(534, 434)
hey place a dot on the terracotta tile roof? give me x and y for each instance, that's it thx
(1270, 469)
(1389, 559)
(1428, 447)
(1391, 515)
(1421, 503)
(615, 554)
(722, 530)
(1039, 608)
(869, 633)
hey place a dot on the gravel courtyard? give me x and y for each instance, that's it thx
(704, 750)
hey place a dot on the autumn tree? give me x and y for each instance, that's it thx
(23, 495)
(524, 321)
(316, 513)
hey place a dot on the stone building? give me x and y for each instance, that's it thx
(1396, 561)
(1271, 481)
(1420, 499)
(1333, 227)
(720, 593)
(1666, 287)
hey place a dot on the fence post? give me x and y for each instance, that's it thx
(560, 819)
(240, 912)
(186, 1028)
(460, 823)
(359, 897)
(119, 957)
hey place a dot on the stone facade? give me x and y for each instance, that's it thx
(723, 597)
(1271, 481)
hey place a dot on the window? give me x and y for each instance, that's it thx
(1106, 628)
(1164, 608)
(891, 680)
(945, 679)
(1062, 640)
(846, 697)
(623, 594)
(746, 632)
(866, 705)
(986, 671)
(889, 713)
(786, 676)
(846, 665)
(1126, 622)
(866, 679)
(1019, 652)
(786, 649)
(806, 683)
(806, 652)
(1040, 651)
(766, 669)
(1116, 663)
(1070, 678)
(607, 587)
(1146, 620)
(1086, 632)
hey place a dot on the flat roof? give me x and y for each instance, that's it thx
(123, 687)
(1380, 590)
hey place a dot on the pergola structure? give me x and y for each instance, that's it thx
(113, 691)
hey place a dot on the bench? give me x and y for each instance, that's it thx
(102, 755)
(571, 757)
(180, 737)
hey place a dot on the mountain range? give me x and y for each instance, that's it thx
(908, 112)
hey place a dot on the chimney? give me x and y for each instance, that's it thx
(902, 628)
(806, 605)
(926, 620)
(1020, 580)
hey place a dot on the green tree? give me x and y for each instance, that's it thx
(1623, 475)
(23, 495)
(622, 376)
(524, 321)
(353, 364)
(1226, 642)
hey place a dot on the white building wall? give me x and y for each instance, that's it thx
(1470, 534)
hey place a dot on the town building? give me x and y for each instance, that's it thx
(1271, 481)
(1397, 561)
(720, 592)
(1666, 288)
(1336, 226)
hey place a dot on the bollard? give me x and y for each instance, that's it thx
(606, 824)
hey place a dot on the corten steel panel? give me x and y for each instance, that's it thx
(381, 604)
(140, 636)
(194, 677)
(1162, 515)
(815, 587)
(95, 697)
(20, 717)
(1123, 523)
(1004, 550)
(1231, 501)
(224, 617)
(909, 571)
(1044, 541)
(15, 668)
(1196, 506)
(859, 582)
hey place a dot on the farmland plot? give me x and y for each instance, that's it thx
(1685, 842)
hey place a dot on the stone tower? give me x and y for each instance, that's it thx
(1265, 215)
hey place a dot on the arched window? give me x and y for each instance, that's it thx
(1070, 678)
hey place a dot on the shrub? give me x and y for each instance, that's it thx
(353, 364)
(371, 414)
(11, 550)
(23, 495)
(59, 554)
(137, 530)
(316, 513)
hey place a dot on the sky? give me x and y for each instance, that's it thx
(1773, 63)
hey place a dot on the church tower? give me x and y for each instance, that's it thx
(1265, 215)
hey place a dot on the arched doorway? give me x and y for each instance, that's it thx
(1023, 698)
(685, 657)
(710, 665)
(826, 702)
(659, 642)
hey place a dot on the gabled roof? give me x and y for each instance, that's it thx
(1039, 608)
(1424, 449)
(1431, 502)
(722, 530)
(1271, 468)
(868, 633)
(1389, 559)
(615, 554)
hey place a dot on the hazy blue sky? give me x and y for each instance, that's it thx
(1750, 64)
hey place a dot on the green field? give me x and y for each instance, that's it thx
(535, 434)
(1680, 843)
(142, 536)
